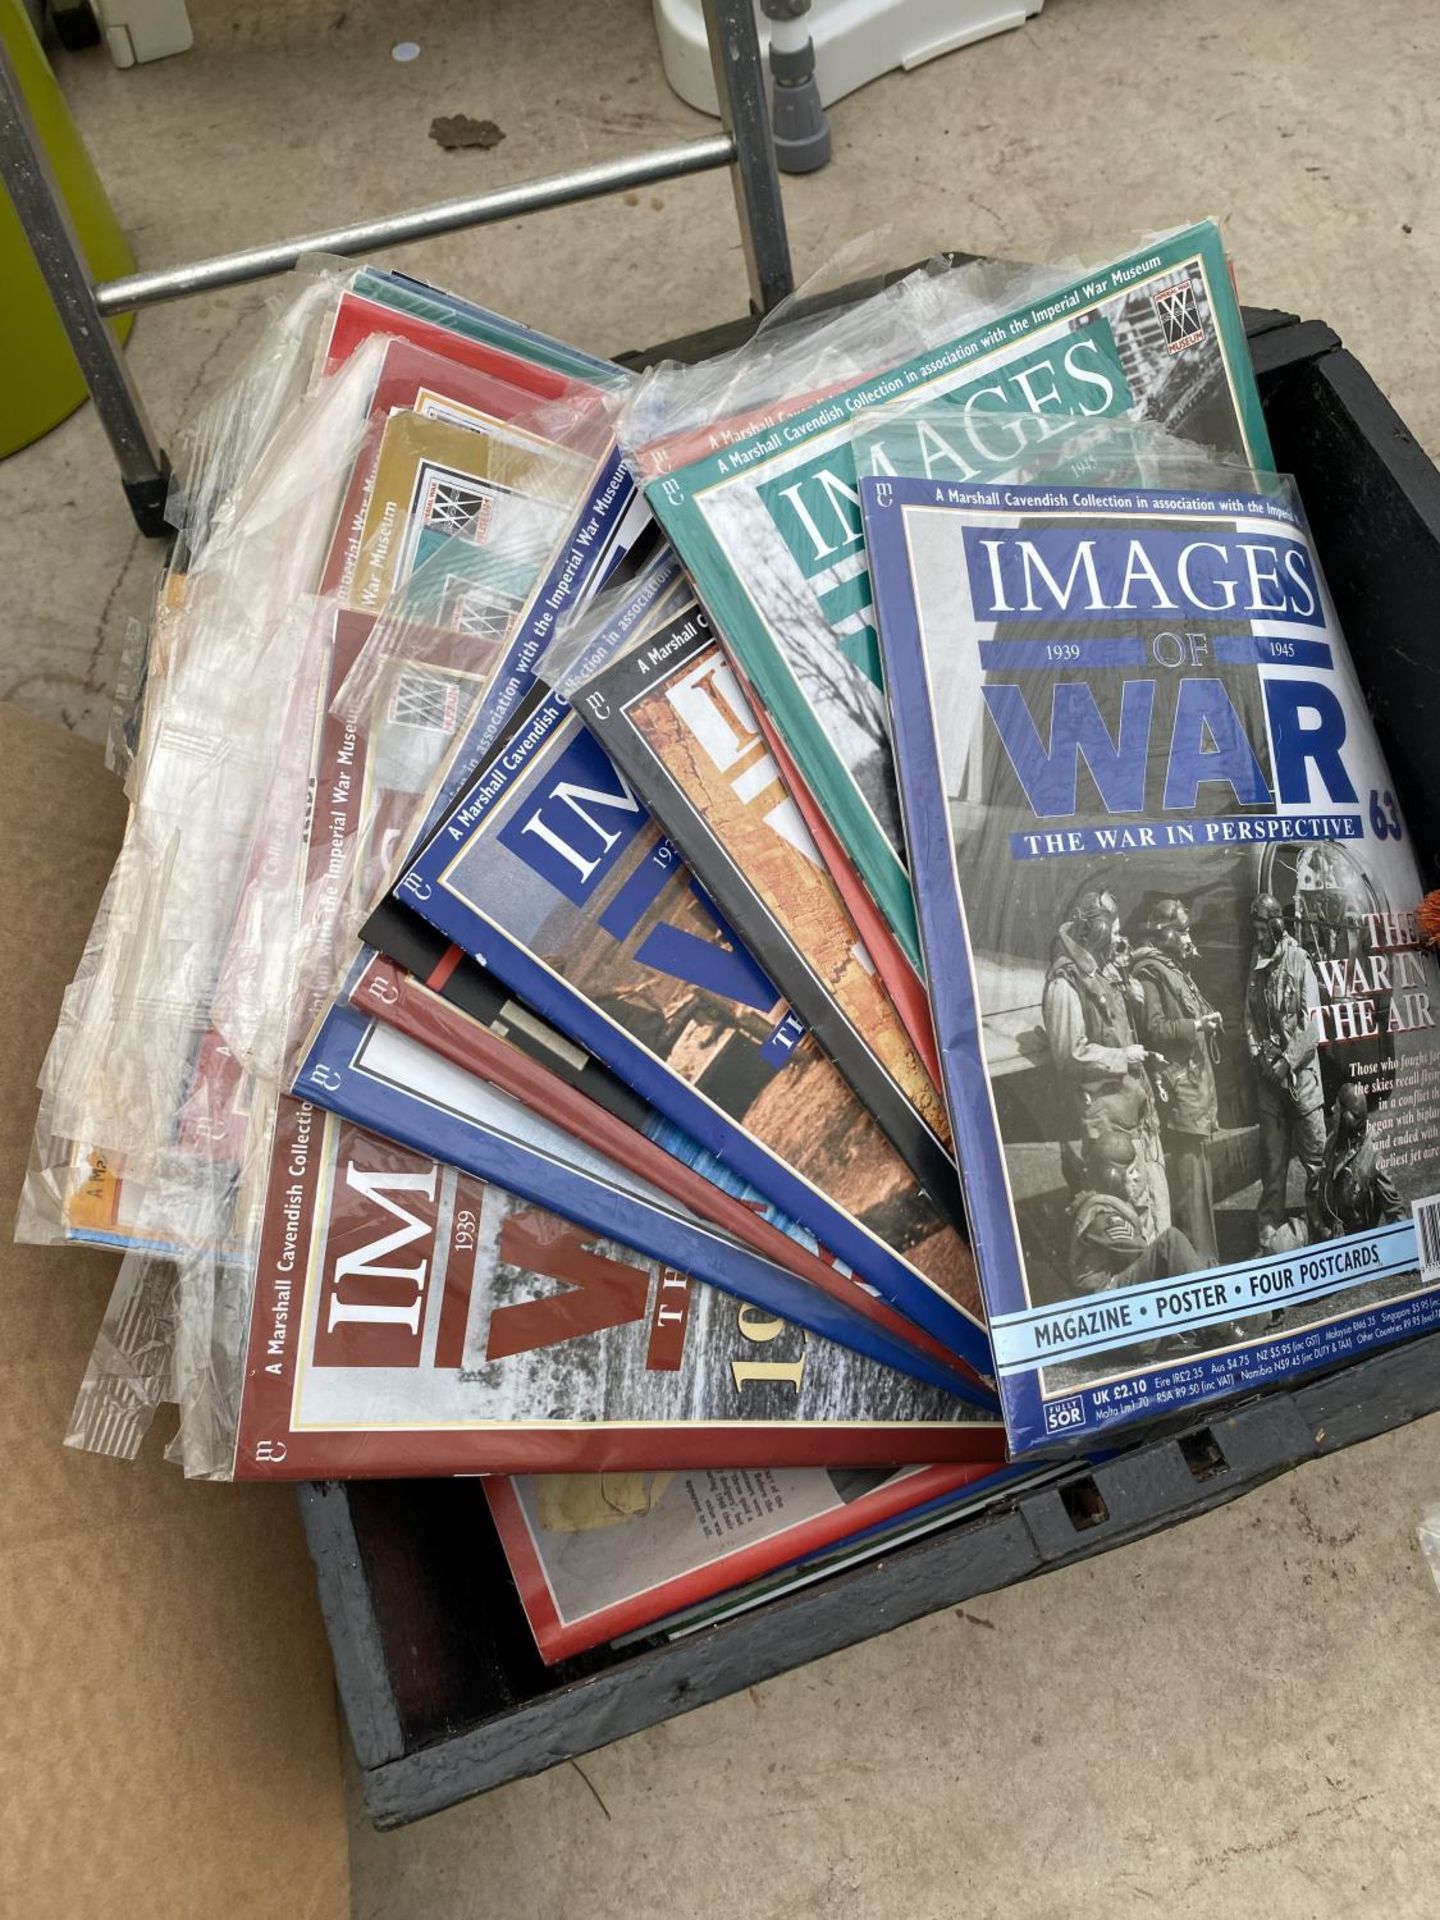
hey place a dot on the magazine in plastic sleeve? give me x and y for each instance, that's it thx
(452, 311)
(769, 524)
(1168, 896)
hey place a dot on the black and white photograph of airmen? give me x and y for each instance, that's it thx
(1181, 1033)
(1099, 1058)
(1139, 1053)
(1131, 1037)
(1113, 1241)
(1284, 1044)
(1352, 1193)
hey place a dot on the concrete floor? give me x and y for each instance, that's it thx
(1243, 1714)
(1239, 1717)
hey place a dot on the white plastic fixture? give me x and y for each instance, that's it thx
(139, 30)
(855, 40)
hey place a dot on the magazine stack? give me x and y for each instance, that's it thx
(763, 954)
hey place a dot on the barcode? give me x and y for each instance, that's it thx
(1427, 1236)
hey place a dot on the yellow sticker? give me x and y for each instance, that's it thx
(584, 1502)
(95, 1203)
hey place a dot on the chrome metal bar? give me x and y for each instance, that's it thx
(744, 113)
(744, 146)
(28, 177)
(419, 223)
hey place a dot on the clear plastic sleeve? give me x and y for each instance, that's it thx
(214, 941)
(222, 446)
(475, 554)
(615, 621)
(130, 1373)
(403, 493)
(1012, 448)
(809, 348)
(194, 950)
(177, 1328)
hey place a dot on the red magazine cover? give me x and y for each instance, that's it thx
(358, 319)
(410, 1319)
(595, 1556)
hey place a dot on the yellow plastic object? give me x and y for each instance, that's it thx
(39, 381)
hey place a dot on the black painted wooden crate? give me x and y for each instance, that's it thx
(443, 1690)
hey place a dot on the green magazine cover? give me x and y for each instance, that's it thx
(770, 530)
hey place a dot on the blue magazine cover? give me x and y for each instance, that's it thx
(387, 1082)
(433, 963)
(551, 872)
(1166, 895)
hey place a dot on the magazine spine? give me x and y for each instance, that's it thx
(331, 1074)
(662, 1446)
(385, 992)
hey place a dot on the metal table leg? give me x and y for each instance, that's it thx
(26, 172)
(745, 146)
(745, 115)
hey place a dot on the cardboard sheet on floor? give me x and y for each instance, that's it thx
(170, 1742)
